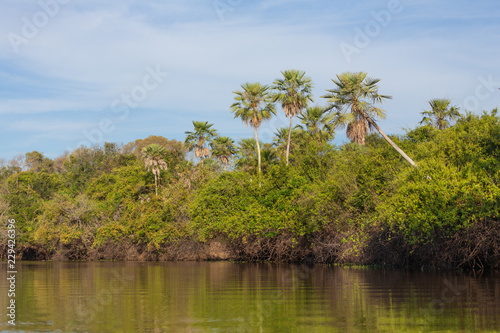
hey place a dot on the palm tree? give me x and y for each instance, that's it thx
(281, 138)
(223, 149)
(197, 139)
(246, 154)
(253, 105)
(294, 94)
(269, 156)
(440, 114)
(352, 102)
(154, 160)
(315, 122)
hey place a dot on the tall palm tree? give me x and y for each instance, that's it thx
(196, 140)
(352, 105)
(294, 94)
(315, 122)
(281, 139)
(269, 156)
(253, 105)
(223, 149)
(154, 160)
(440, 114)
(246, 154)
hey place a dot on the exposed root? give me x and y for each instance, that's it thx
(477, 247)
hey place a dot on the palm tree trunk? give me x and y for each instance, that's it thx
(289, 138)
(402, 153)
(258, 148)
(156, 185)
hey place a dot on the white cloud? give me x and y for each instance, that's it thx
(93, 52)
(48, 126)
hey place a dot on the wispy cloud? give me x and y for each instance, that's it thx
(34, 126)
(93, 52)
(267, 4)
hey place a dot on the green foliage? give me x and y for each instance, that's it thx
(297, 138)
(253, 105)
(315, 123)
(35, 161)
(437, 200)
(196, 140)
(293, 92)
(174, 148)
(455, 185)
(313, 158)
(42, 183)
(235, 206)
(25, 193)
(352, 193)
(247, 159)
(223, 149)
(441, 114)
(223, 205)
(86, 163)
(122, 183)
(353, 102)
(65, 219)
(154, 158)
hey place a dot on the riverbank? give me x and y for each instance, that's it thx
(348, 204)
(476, 248)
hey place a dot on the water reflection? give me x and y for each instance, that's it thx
(229, 297)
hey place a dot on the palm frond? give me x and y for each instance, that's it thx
(441, 114)
(351, 103)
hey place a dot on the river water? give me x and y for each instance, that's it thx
(236, 297)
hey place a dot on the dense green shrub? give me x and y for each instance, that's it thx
(345, 198)
(437, 200)
(455, 185)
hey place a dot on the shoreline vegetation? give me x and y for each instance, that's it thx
(299, 199)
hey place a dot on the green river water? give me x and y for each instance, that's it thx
(237, 297)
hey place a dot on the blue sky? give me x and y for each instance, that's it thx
(67, 66)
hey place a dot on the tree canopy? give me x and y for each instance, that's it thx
(354, 202)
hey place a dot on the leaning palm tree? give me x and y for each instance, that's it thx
(294, 94)
(315, 122)
(352, 105)
(154, 155)
(196, 140)
(440, 114)
(223, 149)
(253, 105)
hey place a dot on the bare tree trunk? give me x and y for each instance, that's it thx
(402, 153)
(258, 154)
(289, 138)
(258, 148)
(156, 185)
